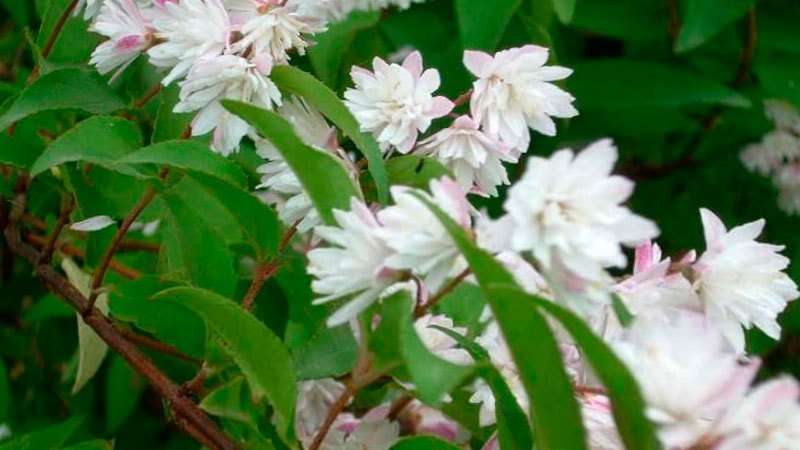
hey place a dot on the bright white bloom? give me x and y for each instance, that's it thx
(225, 77)
(688, 375)
(95, 223)
(475, 158)
(741, 281)
(598, 420)
(438, 342)
(128, 33)
(514, 92)
(767, 419)
(568, 209)
(356, 265)
(284, 188)
(189, 29)
(274, 30)
(314, 399)
(378, 434)
(396, 102)
(418, 239)
(654, 290)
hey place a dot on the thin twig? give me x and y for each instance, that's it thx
(463, 98)
(398, 406)
(421, 310)
(63, 218)
(674, 20)
(149, 95)
(51, 40)
(748, 50)
(158, 346)
(132, 245)
(336, 408)
(69, 250)
(262, 274)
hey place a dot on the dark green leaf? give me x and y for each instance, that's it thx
(482, 23)
(123, 389)
(327, 54)
(48, 438)
(323, 176)
(702, 19)
(319, 96)
(423, 443)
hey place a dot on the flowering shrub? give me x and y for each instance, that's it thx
(397, 224)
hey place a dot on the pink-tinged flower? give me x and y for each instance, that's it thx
(213, 79)
(514, 91)
(568, 209)
(129, 35)
(654, 290)
(424, 420)
(493, 443)
(439, 343)
(396, 102)
(475, 157)
(688, 374)
(598, 420)
(354, 265)
(767, 419)
(740, 281)
(273, 29)
(419, 241)
(314, 400)
(188, 30)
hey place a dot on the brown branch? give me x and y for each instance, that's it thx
(190, 418)
(398, 406)
(266, 270)
(463, 98)
(116, 266)
(748, 50)
(674, 20)
(51, 40)
(421, 310)
(337, 407)
(149, 95)
(158, 346)
(63, 217)
(132, 245)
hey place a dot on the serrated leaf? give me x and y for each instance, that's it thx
(558, 423)
(63, 89)
(304, 85)
(323, 176)
(423, 443)
(609, 84)
(92, 349)
(703, 19)
(98, 140)
(188, 155)
(481, 24)
(262, 357)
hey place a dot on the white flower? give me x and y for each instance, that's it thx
(767, 419)
(568, 209)
(475, 158)
(599, 423)
(128, 32)
(188, 30)
(740, 281)
(787, 180)
(285, 189)
(274, 30)
(514, 92)
(654, 290)
(396, 102)
(314, 399)
(92, 7)
(356, 265)
(95, 223)
(379, 434)
(783, 114)
(688, 375)
(225, 77)
(425, 420)
(439, 343)
(418, 239)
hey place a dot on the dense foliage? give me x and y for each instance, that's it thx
(172, 269)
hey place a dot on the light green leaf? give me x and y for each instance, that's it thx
(423, 443)
(92, 349)
(481, 24)
(323, 176)
(302, 84)
(232, 400)
(49, 438)
(98, 140)
(63, 89)
(703, 19)
(558, 423)
(188, 155)
(263, 358)
(564, 9)
(610, 84)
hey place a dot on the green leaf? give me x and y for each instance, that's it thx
(423, 443)
(481, 24)
(564, 10)
(397, 341)
(49, 438)
(558, 423)
(703, 19)
(302, 84)
(778, 75)
(622, 312)
(629, 407)
(408, 170)
(63, 89)
(124, 388)
(96, 444)
(327, 54)
(5, 392)
(630, 20)
(610, 84)
(75, 42)
(91, 348)
(323, 176)
(263, 358)
(169, 125)
(98, 140)
(330, 352)
(194, 247)
(233, 401)
(188, 155)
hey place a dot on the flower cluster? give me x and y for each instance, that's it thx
(778, 154)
